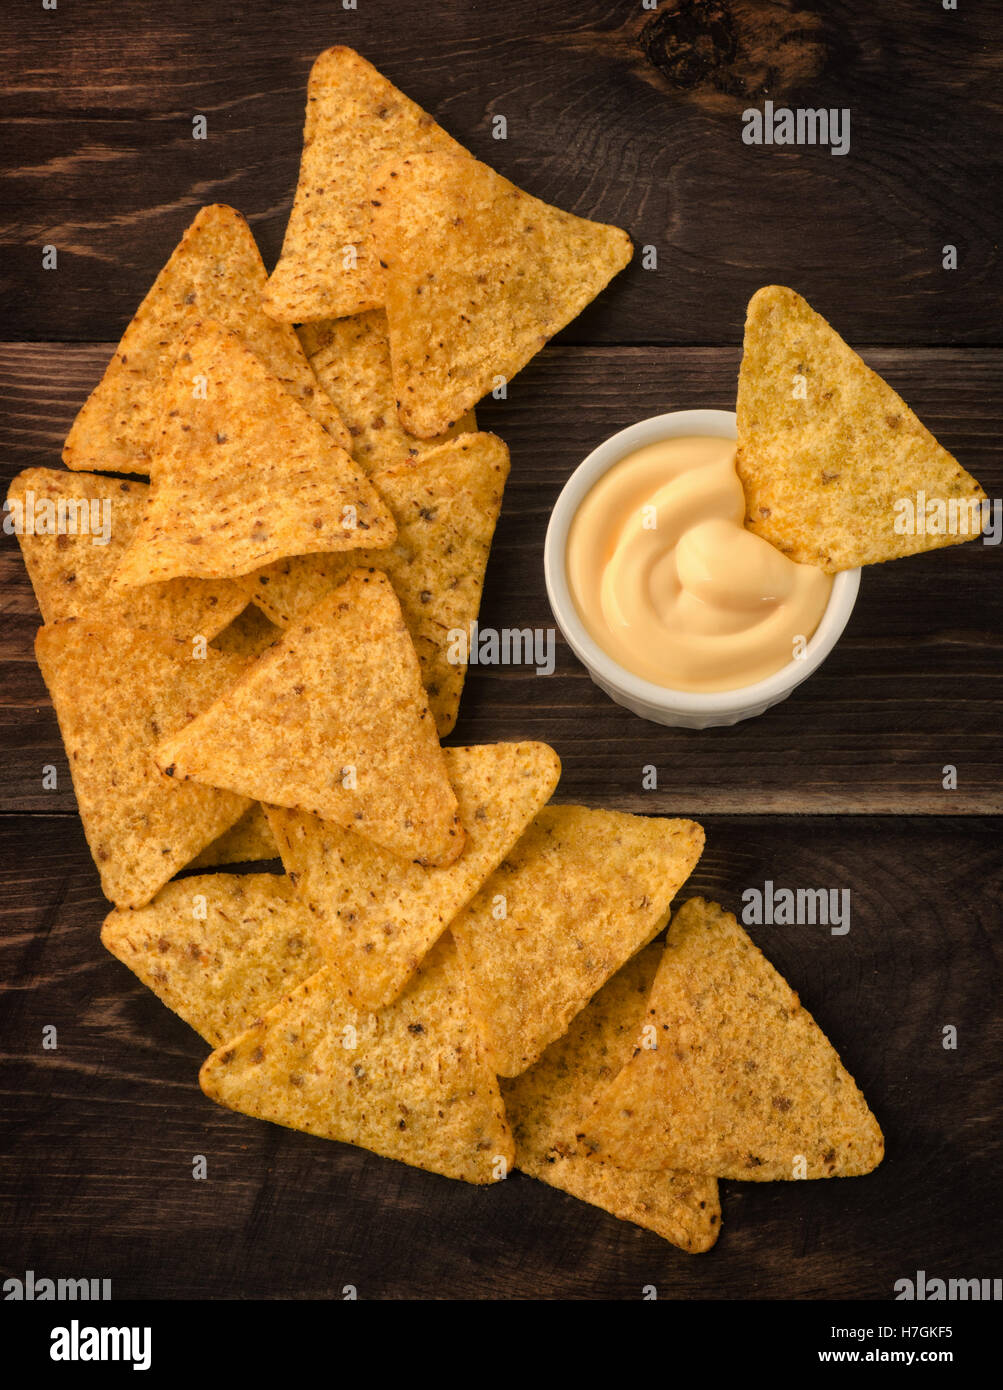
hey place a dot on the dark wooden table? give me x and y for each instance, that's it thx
(633, 117)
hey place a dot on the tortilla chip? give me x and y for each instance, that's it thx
(117, 691)
(479, 276)
(828, 453)
(375, 915)
(351, 360)
(548, 1104)
(333, 720)
(216, 272)
(248, 840)
(580, 893)
(71, 573)
(220, 949)
(248, 635)
(410, 1082)
(355, 119)
(242, 475)
(446, 506)
(743, 1083)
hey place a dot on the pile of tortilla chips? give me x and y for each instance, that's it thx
(249, 659)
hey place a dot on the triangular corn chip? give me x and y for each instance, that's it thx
(579, 894)
(71, 569)
(742, 1083)
(376, 915)
(445, 506)
(241, 475)
(355, 119)
(247, 840)
(117, 691)
(333, 720)
(351, 360)
(479, 276)
(410, 1082)
(833, 461)
(216, 272)
(547, 1108)
(218, 949)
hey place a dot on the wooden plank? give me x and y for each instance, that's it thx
(915, 684)
(101, 1133)
(613, 112)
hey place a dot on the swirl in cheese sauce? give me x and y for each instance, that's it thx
(671, 585)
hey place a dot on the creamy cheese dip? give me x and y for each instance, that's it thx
(671, 585)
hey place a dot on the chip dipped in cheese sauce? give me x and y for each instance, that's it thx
(671, 585)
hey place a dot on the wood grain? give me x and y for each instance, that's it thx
(915, 684)
(612, 112)
(100, 1135)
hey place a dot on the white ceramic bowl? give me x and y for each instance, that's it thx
(663, 706)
